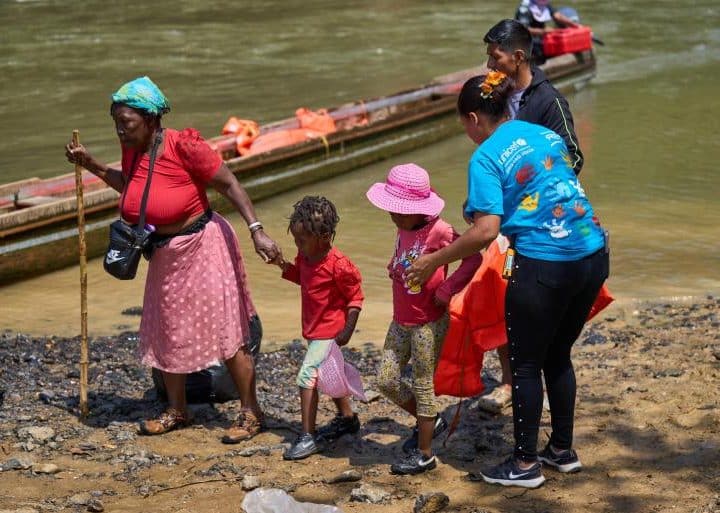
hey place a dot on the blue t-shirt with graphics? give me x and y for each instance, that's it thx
(522, 173)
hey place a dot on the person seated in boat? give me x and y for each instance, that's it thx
(197, 305)
(519, 182)
(535, 15)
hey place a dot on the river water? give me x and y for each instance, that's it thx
(647, 124)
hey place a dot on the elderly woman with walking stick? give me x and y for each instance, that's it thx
(197, 307)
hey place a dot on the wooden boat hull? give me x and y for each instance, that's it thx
(43, 237)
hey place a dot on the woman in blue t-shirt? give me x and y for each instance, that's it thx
(520, 182)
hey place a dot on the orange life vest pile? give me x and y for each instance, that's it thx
(249, 140)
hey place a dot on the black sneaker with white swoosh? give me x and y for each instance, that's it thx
(412, 442)
(509, 473)
(338, 427)
(563, 461)
(414, 463)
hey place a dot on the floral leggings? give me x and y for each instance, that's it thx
(423, 344)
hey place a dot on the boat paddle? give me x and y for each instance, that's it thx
(84, 410)
(598, 41)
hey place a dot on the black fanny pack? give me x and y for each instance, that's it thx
(128, 242)
(158, 240)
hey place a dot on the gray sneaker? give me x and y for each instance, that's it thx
(305, 445)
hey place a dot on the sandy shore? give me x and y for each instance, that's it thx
(647, 431)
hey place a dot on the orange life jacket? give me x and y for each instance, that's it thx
(477, 324)
(313, 124)
(280, 138)
(245, 131)
(319, 121)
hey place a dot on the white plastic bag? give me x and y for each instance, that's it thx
(273, 500)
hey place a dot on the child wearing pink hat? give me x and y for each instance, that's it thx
(420, 317)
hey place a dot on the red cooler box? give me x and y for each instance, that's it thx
(567, 40)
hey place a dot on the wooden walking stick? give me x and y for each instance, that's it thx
(84, 410)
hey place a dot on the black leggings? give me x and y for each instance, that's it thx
(546, 306)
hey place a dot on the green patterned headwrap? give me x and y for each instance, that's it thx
(142, 94)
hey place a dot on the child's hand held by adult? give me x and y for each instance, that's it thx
(280, 261)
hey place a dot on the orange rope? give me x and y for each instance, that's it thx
(456, 418)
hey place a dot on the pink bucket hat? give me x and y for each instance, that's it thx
(337, 378)
(406, 191)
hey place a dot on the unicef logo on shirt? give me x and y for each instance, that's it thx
(514, 147)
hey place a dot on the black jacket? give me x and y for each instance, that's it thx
(542, 104)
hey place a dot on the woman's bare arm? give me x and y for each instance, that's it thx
(78, 154)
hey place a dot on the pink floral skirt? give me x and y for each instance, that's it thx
(197, 302)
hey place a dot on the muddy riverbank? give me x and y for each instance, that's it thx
(647, 431)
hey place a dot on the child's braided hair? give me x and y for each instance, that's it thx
(316, 214)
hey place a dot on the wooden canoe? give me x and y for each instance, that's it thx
(38, 228)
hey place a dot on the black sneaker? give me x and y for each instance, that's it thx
(305, 445)
(338, 427)
(414, 463)
(510, 474)
(412, 443)
(563, 461)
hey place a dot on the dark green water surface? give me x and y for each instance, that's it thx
(648, 123)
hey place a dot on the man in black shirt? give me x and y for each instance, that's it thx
(534, 100)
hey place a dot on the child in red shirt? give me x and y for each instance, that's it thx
(420, 317)
(331, 293)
